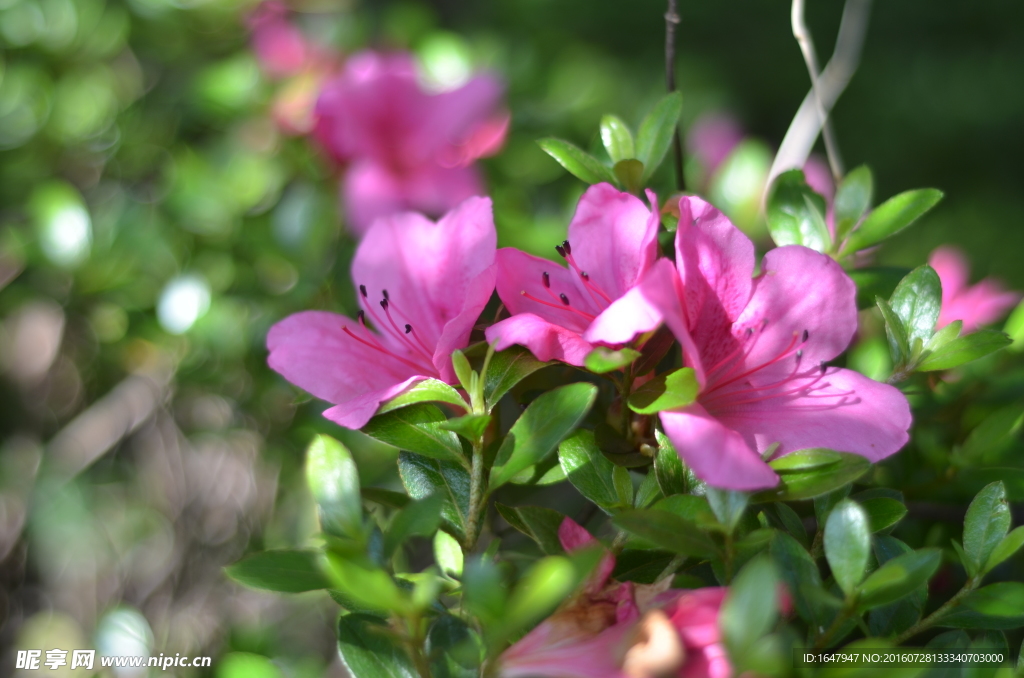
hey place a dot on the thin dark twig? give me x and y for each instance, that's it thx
(671, 22)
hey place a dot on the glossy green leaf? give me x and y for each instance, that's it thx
(799, 571)
(368, 650)
(416, 428)
(539, 524)
(544, 424)
(1010, 544)
(656, 131)
(782, 517)
(750, 608)
(580, 164)
(986, 524)
(996, 606)
(847, 544)
(428, 390)
(883, 512)
(630, 174)
(669, 468)
(448, 553)
(506, 369)
(891, 217)
(246, 665)
(587, 469)
(727, 505)
(333, 480)
(964, 349)
(388, 498)
(420, 518)
(617, 138)
(463, 370)
(547, 584)
(796, 214)
(648, 492)
(623, 485)
(665, 392)
(804, 460)
(666, 530)
(994, 434)
(917, 301)
(423, 477)
(853, 198)
(895, 332)
(898, 577)
(453, 649)
(602, 359)
(896, 617)
(815, 482)
(369, 587)
(471, 426)
(690, 507)
(286, 571)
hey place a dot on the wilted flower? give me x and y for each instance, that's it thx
(422, 287)
(976, 305)
(560, 313)
(406, 148)
(759, 347)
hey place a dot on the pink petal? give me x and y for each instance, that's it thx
(520, 272)
(355, 413)
(978, 305)
(799, 290)
(536, 655)
(845, 411)
(819, 177)
(451, 117)
(545, 340)
(574, 536)
(311, 350)
(953, 269)
(661, 289)
(628, 316)
(712, 138)
(614, 238)
(434, 189)
(370, 191)
(455, 334)
(717, 454)
(428, 269)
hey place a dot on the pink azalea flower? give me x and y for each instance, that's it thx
(712, 138)
(405, 147)
(759, 348)
(560, 313)
(422, 287)
(976, 305)
(279, 46)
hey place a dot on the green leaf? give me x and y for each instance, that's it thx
(656, 132)
(728, 505)
(588, 470)
(782, 517)
(428, 390)
(804, 460)
(1014, 327)
(667, 530)
(898, 577)
(416, 428)
(875, 281)
(894, 618)
(883, 512)
(630, 174)
(963, 350)
(815, 482)
(285, 571)
(1010, 544)
(665, 392)
(580, 164)
(423, 477)
(891, 217)
(453, 649)
(796, 214)
(388, 498)
(996, 606)
(668, 467)
(602, 359)
(333, 480)
(750, 609)
(506, 369)
(895, 332)
(648, 492)
(643, 566)
(246, 665)
(539, 524)
(484, 590)
(623, 485)
(692, 508)
(419, 519)
(368, 650)
(463, 370)
(847, 544)
(369, 587)
(544, 424)
(547, 584)
(448, 553)
(471, 426)
(617, 138)
(917, 301)
(853, 198)
(986, 524)
(796, 567)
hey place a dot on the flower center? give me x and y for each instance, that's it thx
(561, 300)
(419, 356)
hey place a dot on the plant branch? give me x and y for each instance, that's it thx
(803, 39)
(476, 495)
(841, 618)
(930, 620)
(671, 23)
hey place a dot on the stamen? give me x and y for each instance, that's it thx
(384, 303)
(807, 336)
(567, 247)
(385, 351)
(408, 328)
(398, 333)
(547, 279)
(562, 307)
(386, 295)
(585, 275)
(361, 316)
(565, 299)
(782, 356)
(560, 250)
(362, 290)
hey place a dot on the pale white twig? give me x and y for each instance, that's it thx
(806, 43)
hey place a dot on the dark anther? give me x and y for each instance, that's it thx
(822, 367)
(566, 247)
(384, 304)
(560, 250)
(385, 293)
(408, 328)
(547, 279)
(750, 330)
(584, 275)
(362, 317)
(806, 335)
(362, 290)
(799, 354)
(565, 299)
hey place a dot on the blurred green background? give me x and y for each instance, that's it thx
(155, 221)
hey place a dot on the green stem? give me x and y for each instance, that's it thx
(837, 623)
(627, 385)
(730, 557)
(415, 642)
(671, 568)
(476, 496)
(930, 620)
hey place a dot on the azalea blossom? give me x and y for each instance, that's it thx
(759, 348)
(280, 47)
(976, 305)
(561, 313)
(422, 287)
(404, 147)
(618, 630)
